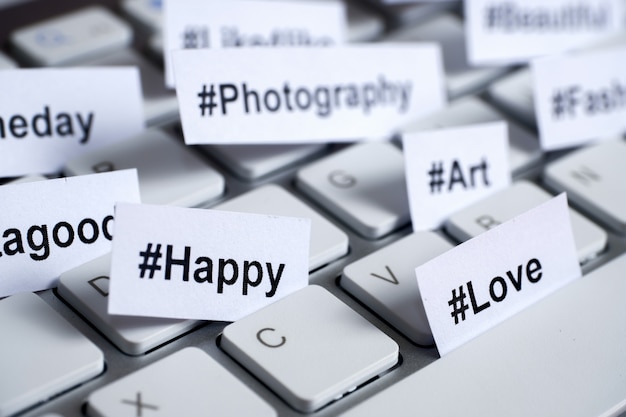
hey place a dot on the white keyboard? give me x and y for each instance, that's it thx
(356, 342)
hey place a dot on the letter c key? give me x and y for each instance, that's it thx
(271, 345)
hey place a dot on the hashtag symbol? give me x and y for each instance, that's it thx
(460, 301)
(195, 38)
(436, 177)
(492, 13)
(204, 105)
(558, 104)
(564, 100)
(148, 255)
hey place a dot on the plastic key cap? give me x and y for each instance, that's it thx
(594, 180)
(514, 93)
(169, 173)
(41, 354)
(6, 62)
(148, 13)
(187, 383)
(404, 13)
(362, 185)
(72, 38)
(385, 282)
(252, 162)
(447, 30)
(308, 348)
(363, 25)
(86, 288)
(514, 200)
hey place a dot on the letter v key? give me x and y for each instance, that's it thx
(400, 304)
(393, 279)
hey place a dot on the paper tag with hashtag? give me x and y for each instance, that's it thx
(200, 24)
(204, 264)
(295, 95)
(448, 169)
(581, 97)
(51, 226)
(56, 114)
(489, 278)
(502, 32)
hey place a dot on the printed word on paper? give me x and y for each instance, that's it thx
(448, 169)
(514, 31)
(483, 281)
(580, 98)
(39, 242)
(204, 264)
(199, 24)
(58, 114)
(305, 94)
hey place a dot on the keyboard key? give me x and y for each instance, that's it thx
(169, 172)
(590, 239)
(72, 38)
(252, 162)
(160, 104)
(309, 348)
(328, 242)
(363, 185)
(594, 180)
(28, 178)
(563, 356)
(514, 94)
(385, 281)
(363, 25)
(41, 354)
(6, 62)
(447, 30)
(524, 151)
(148, 13)
(187, 383)
(155, 46)
(86, 288)
(411, 13)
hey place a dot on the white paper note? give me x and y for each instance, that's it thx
(487, 279)
(580, 97)
(196, 24)
(49, 227)
(514, 31)
(292, 95)
(204, 264)
(448, 169)
(54, 115)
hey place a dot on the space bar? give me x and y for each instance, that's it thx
(563, 356)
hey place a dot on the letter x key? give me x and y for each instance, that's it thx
(140, 405)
